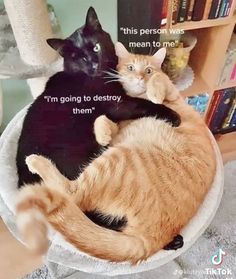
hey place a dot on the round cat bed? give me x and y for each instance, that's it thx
(62, 253)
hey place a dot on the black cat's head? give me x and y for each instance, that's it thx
(89, 49)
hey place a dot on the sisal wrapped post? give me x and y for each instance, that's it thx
(31, 26)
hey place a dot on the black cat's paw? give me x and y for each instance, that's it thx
(175, 119)
(175, 244)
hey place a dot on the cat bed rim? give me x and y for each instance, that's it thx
(93, 265)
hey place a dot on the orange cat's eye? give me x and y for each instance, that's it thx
(131, 68)
(148, 70)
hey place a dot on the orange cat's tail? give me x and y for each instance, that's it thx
(39, 208)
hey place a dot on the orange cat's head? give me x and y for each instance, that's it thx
(135, 70)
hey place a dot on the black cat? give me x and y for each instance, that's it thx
(51, 129)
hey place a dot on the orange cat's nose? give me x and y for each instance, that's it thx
(140, 77)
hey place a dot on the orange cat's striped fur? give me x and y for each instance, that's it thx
(154, 174)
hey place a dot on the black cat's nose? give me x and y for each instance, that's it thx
(95, 66)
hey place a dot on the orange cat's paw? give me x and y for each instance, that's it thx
(104, 129)
(36, 163)
(156, 95)
(154, 98)
(50, 175)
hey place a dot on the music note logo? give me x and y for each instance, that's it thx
(217, 259)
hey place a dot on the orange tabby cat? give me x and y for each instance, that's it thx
(154, 175)
(142, 77)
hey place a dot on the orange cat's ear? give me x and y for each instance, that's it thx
(159, 57)
(121, 51)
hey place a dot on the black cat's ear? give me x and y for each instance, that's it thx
(92, 21)
(56, 44)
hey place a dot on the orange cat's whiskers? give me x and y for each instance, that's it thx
(112, 77)
(113, 70)
(113, 80)
(110, 74)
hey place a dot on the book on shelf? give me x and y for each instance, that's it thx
(215, 6)
(230, 115)
(198, 10)
(183, 10)
(233, 74)
(207, 9)
(175, 10)
(228, 72)
(221, 115)
(222, 9)
(228, 7)
(212, 108)
(164, 12)
(233, 119)
(190, 10)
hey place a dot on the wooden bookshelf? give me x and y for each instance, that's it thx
(227, 85)
(191, 25)
(207, 60)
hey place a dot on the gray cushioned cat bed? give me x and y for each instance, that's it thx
(61, 252)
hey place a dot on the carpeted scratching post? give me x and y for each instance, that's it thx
(31, 26)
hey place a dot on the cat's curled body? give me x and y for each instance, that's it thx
(154, 175)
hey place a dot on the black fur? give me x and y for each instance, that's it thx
(107, 221)
(175, 244)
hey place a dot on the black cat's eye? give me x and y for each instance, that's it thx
(97, 48)
(148, 70)
(131, 68)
